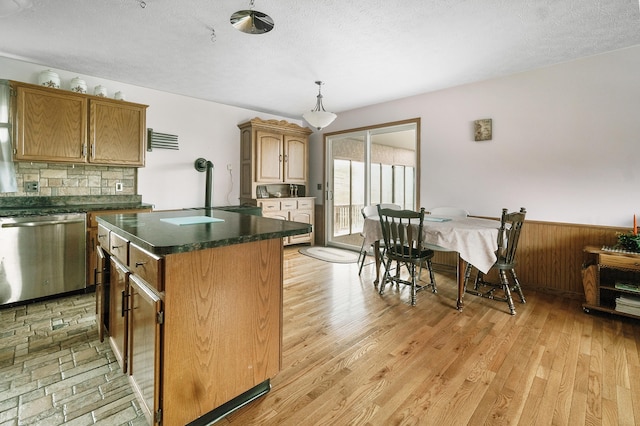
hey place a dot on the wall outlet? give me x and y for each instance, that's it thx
(229, 167)
(31, 187)
(118, 186)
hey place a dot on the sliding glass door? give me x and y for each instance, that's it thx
(368, 166)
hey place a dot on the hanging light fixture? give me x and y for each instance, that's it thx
(318, 117)
(251, 21)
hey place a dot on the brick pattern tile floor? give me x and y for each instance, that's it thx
(55, 371)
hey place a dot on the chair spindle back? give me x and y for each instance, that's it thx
(508, 236)
(402, 232)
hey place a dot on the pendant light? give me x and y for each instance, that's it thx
(318, 117)
(251, 21)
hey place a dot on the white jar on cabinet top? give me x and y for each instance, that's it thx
(49, 78)
(100, 91)
(78, 85)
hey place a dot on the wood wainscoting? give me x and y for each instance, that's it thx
(550, 255)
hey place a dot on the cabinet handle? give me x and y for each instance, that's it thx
(280, 158)
(122, 307)
(115, 247)
(84, 151)
(93, 150)
(140, 264)
(286, 158)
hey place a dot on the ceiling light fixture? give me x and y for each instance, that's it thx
(251, 21)
(318, 117)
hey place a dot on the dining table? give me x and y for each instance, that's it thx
(475, 240)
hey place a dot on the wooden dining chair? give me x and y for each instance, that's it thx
(369, 211)
(508, 236)
(402, 235)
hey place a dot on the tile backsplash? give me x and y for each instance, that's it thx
(68, 179)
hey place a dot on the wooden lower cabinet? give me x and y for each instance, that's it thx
(293, 209)
(222, 329)
(102, 277)
(145, 340)
(212, 334)
(97, 237)
(118, 316)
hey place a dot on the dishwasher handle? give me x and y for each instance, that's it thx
(44, 223)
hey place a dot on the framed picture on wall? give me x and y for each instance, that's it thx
(482, 129)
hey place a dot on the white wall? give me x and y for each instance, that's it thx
(204, 129)
(565, 142)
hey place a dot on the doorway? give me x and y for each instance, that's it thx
(372, 165)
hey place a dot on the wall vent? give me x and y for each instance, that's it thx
(161, 140)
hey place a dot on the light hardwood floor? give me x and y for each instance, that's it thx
(352, 357)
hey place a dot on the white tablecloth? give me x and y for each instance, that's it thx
(475, 239)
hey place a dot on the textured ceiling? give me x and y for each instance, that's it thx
(366, 52)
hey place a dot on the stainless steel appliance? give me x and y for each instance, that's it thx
(41, 256)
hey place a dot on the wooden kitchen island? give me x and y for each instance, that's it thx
(193, 311)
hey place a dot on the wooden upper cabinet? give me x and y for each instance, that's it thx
(269, 156)
(57, 126)
(117, 133)
(50, 125)
(296, 159)
(272, 152)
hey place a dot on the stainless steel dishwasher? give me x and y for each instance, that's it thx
(42, 256)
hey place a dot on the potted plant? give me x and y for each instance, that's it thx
(628, 241)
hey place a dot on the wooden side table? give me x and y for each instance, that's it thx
(609, 275)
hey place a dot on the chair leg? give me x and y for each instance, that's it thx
(516, 286)
(479, 281)
(385, 277)
(362, 257)
(432, 277)
(414, 284)
(467, 275)
(507, 292)
(504, 285)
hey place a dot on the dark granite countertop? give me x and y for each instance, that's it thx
(150, 232)
(34, 206)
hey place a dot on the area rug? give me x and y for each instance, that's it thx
(330, 254)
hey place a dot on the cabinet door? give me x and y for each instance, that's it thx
(276, 215)
(103, 237)
(145, 319)
(117, 133)
(92, 243)
(295, 160)
(246, 164)
(304, 216)
(269, 157)
(51, 125)
(118, 312)
(101, 278)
